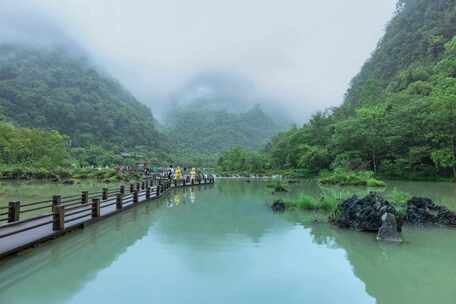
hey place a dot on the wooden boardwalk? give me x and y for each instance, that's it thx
(77, 212)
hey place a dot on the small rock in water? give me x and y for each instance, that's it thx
(388, 230)
(280, 189)
(278, 206)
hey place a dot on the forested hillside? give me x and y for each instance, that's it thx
(399, 115)
(200, 130)
(50, 88)
(414, 41)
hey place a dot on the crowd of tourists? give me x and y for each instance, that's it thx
(192, 175)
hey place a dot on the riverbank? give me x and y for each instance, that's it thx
(338, 176)
(60, 174)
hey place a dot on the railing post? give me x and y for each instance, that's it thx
(184, 182)
(138, 186)
(119, 201)
(135, 196)
(104, 196)
(56, 200)
(157, 191)
(147, 193)
(95, 207)
(143, 185)
(14, 209)
(132, 188)
(122, 189)
(84, 197)
(58, 218)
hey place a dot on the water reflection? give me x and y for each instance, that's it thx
(221, 243)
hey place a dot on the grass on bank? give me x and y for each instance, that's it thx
(306, 202)
(343, 177)
(331, 198)
(24, 172)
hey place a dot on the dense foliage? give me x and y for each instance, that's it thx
(238, 160)
(399, 116)
(53, 89)
(26, 152)
(65, 114)
(203, 133)
(32, 146)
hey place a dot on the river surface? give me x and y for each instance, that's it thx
(222, 244)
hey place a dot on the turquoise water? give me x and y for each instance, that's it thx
(222, 244)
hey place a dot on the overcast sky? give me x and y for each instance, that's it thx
(300, 53)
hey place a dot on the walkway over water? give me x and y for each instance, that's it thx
(76, 211)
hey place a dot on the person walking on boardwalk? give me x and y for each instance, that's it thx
(193, 175)
(170, 172)
(178, 174)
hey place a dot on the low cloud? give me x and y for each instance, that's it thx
(298, 54)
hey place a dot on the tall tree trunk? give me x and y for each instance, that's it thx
(374, 161)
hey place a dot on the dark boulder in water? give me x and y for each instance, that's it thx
(278, 206)
(388, 230)
(422, 211)
(280, 189)
(68, 182)
(365, 214)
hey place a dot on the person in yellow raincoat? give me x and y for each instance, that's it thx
(178, 174)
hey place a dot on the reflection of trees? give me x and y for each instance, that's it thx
(226, 214)
(74, 260)
(217, 215)
(419, 271)
(228, 208)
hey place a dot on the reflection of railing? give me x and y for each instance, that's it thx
(62, 212)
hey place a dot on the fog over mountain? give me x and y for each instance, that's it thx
(294, 55)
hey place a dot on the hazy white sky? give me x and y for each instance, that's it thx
(301, 53)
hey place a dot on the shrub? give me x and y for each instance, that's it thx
(344, 177)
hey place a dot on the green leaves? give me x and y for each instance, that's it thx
(51, 89)
(444, 158)
(32, 146)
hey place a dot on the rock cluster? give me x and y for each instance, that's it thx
(373, 213)
(365, 214)
(422, 211)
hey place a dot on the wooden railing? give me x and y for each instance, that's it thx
(61, 211)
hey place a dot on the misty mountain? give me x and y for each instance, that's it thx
(399, 115)
(198, 128)
(53, 88)
(226, 91)
(413, 43)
